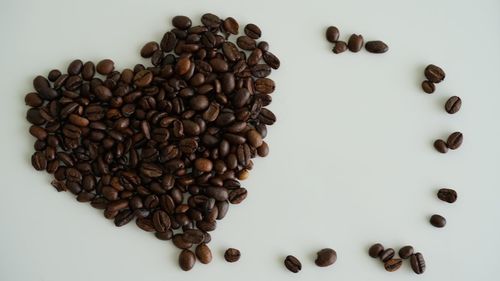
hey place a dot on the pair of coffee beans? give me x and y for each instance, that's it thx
(163, 145)
(453, 142)
(354, 44)
(447, 195)
(391, 263)
(434, 75)
(324, 257)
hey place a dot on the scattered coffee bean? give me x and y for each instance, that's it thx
(355, 43)
(387, 254)
(332, 34)
(453, 105)
(326, 257)
(187, 259)
(375, 250)
(377, 47)
(447, 195)
(393, 264)
(105, 67)
(428, 87)
(203, 253)
(232, 255)
(434, 73)
(339, 47)
(417, 263)
(455, 140)
(181, 22)
(293, 264)
(149, 49)
(441, 146)
(252, 31)
(231, 25)
(438, 221)
(406, 252)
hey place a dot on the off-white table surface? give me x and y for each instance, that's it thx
(351, 159)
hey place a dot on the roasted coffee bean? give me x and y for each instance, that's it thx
(387, 254)
(143, 78)
(187, 259)
(455, 140)
(393, 264)
(292, 264)
(263, 45)
(326, 257)
(161, 221)
(264, 85)
(355, 43)
(231, 25)
(377, 47)
(375, 250)
(271, 60)
(417, 263)
(434, 73)
(203, 253)
(252, 31)
(437, 221)
(232, 255)
(53, 75)
(194, 236)
(246, 43)
(447, 195)
(75, 67)
(105, 66)
(441, 146)
(148, 50)
(405, 252)
(332, 34)
(179, 242)
(453, 105)
(88, 71)
(39, 161)
(339, 47)
(210, 20)
(181, 22)
(428, 87)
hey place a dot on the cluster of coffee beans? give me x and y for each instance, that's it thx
(324, 257)
(391, 263)
(166, 144)
(354, 44)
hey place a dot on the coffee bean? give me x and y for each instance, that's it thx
(438, 221)
(246, 43)
(105, 66)
(375, 250)
(203, 165)
(417, 263)
(293, 264)
(252, 31)
(434, 73)
(332, 34)
(210, 20)
(271, 60)
(231, 25)
(387, 254)
(143, 78)
(232, 255)
(355, 43)
(181, 22)
(447, 195)
(441, 146)
(194, 236)
(326, 257)
(264, 85)
(393, 264)
(88, 71)
(161, 221)
(53, 75)
(377, 47)
(148, 50)
(428, 87)
(38, 161)
(453, 105)
(203, 253)
(254, 138)
(187, 259)
(406, 252)
(263, 46)
(75, 67)
(339, 47)
(455, 140)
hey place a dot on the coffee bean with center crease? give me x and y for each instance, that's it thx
(453, 105)
(375, 250)
(161, 221)
(203, 253)
(232, 255)
(428, 87)
(339, 47)
(405, 252)
(105, 66)
(271, 60)
(148, 50)
(377, 47)
(441, 146)
(434, 73)
(252, 31)
(181, 22)
(326, 257)
(332, 34)
(231, 25)
(447, 195)
(437, 221)
(387, 254)
(355, 43)
(246, 43)
(187, 259)
(393, 264)
(455, 140)
(417, 263)
(210, 20)
(292, 264)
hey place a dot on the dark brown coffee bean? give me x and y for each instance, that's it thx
(417, 263)
(231, 51)
(264, 85)
(455, 140)
(38, 132)
(326, 257)
(261, 70)
(447, 195)
(231, 25)
(181, 22)
(38, 161)
(246, 43)
(143, 78)
(88, 71)
(263, 150)
(203, 253)
(441, 146)
(53, 75)
(105, 66)
(164, 235)
(293, 264)
(332, 34)
(393, 264)
(254, 138)
(406, 252)
(437, 221)
(211, 20)
(355, 43)
(254, 57)
(33, 100)
(194, 236)
(252, 31)
(271, 60)
(263, 45)
(179, 242)
(428, 87)
(387, 254)
(434, 73)
(161, 221)
(377, 47)
(148, 50)
(203, 165)
(375, 250)
(103, 93)
(339, 47)
(75, 67)
(232, 255)
(187, 259)
(237, 196)
(183, 65)
(453, 105)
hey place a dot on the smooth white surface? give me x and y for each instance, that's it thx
(351, 159)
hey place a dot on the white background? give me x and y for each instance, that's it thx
(351, 159)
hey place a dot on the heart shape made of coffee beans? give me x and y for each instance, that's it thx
(164, 144)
